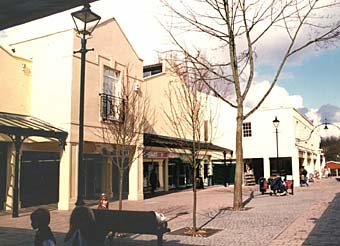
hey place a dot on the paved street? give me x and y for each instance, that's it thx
(309, 217)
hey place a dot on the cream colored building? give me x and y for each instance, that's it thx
(46, 86)
(167, 144)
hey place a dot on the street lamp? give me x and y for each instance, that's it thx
(85, 21)
(276, 123)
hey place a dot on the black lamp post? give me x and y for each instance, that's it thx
(85, 21)
(225, 167)
(276, 123)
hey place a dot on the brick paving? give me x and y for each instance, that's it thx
(309, 217)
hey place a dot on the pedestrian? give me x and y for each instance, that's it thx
(103, 202)
(303, 176)
(153, 181)
(40, 219)
(82, 230)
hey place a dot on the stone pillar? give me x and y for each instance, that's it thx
(166, 175)
(10, 178)
(161, 174)
(136, 176)
(266, 167)
(67, 177)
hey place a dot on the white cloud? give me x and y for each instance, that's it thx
(279, 97)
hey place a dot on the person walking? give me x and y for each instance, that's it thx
(153, 181)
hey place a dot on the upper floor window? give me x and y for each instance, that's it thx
(112, 82)
(246, 129)
(112, 105)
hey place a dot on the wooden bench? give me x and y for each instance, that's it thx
(125, 221)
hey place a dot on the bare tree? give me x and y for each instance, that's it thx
(189, 117)
(235, 31)
(123, 127)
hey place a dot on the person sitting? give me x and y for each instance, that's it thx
(277, 185)
(40, 219)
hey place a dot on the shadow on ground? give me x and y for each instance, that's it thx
(22, 236)
(329, 222)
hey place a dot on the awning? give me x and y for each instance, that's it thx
(153, 140)
(16, 12)
(26, 126)
(18, 128)
(333, 165)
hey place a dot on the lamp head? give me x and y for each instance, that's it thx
(85, 20)
(326, 127)
(276, 122)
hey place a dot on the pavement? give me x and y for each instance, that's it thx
(309, 217)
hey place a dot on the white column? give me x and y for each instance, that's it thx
(296, 168)
(161, 174)
(136, 177)
(64, 178)
(10, 174)
(166, 175)
(266, 167)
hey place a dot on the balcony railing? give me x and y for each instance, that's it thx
(112, 108)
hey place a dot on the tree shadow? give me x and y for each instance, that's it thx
(326, 230)
(213, 215)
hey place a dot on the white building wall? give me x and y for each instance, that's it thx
(51, 74)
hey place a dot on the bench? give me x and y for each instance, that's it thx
(264, 185)
(125, 221)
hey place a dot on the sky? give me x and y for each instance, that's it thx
(311, 84)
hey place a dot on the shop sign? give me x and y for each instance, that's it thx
(154, 154)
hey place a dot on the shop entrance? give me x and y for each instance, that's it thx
(39, 178)
(147, 169)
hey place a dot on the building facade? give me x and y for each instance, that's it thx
(47, 87)
(168, 143)
(282, 151)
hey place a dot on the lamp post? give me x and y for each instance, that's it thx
(276, 123)
(85, 21)
(225, 167)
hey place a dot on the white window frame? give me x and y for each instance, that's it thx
(112, 86)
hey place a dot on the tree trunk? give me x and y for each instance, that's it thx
(120, 192)
(239, 161)
(194, 229)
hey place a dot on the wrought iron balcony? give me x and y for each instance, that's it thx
(112, 108)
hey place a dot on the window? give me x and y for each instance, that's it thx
(112, 104)
(246, 129)
(112, 83)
